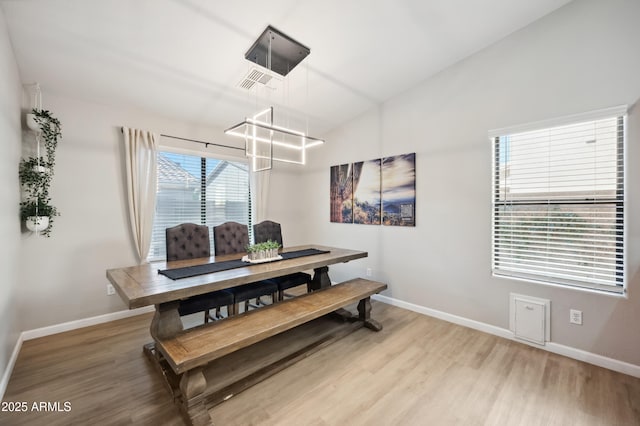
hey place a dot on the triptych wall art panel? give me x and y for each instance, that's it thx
(342, 193)
(374, 192)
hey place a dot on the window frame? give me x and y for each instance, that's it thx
(619, 201)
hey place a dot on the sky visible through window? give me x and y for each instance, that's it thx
(192, 167)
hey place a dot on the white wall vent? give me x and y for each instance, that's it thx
(530, 318)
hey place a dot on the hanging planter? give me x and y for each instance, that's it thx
(38, 215)
(35, 176)
(32, 123)
(37, 223)
(36, 172)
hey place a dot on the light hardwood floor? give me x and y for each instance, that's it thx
(417, 371)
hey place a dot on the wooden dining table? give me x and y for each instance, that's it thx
(206, 365)
(143, 285)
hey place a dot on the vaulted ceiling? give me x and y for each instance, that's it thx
(185, 58)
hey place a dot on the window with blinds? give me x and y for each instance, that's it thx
(199, 190)
(558, 203)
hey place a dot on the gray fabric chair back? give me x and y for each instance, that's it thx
(267, 230)
(187, 241)
(230, 238)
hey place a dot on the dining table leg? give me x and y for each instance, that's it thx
(166, 322)
(320, 279)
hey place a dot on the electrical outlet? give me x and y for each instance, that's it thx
(575, 316)
(110, 290)
(369, 272)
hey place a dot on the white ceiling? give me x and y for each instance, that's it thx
(184, 58)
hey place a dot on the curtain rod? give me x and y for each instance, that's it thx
(206, 144)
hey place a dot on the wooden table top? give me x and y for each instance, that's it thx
(141, 285)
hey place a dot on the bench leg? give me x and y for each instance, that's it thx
(192, 387)
(166, 322)
(192, 383)
(320, 279)
(364, 311)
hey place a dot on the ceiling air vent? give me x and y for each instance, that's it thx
(254, 76)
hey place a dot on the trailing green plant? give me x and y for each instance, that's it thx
(35, 182)
(39, 207)
(50, 132)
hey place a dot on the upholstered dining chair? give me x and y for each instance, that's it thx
(232, 238)
(191, 241)
(269, 230)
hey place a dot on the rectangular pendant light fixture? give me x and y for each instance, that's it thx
(265, 141)
(261, 136)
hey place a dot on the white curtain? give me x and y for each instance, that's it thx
(259, 185)
(141, 165)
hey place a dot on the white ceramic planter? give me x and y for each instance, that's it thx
(37, 223)
(31, 122)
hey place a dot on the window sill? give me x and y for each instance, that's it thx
(623, 295)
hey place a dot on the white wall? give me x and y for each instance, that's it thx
(63, 277)
(583, 57)
(10, 100)
(285, 182)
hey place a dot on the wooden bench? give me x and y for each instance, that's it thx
(191, 351)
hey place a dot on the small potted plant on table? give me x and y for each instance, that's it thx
(263, 251)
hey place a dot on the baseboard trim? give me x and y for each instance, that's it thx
(9, 368)
(570, 352)
(59, 328)
(595, 359)
(85, 322)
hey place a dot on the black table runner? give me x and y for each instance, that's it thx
(192, 271)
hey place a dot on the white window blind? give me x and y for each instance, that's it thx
(558, 204)
(199, 190)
